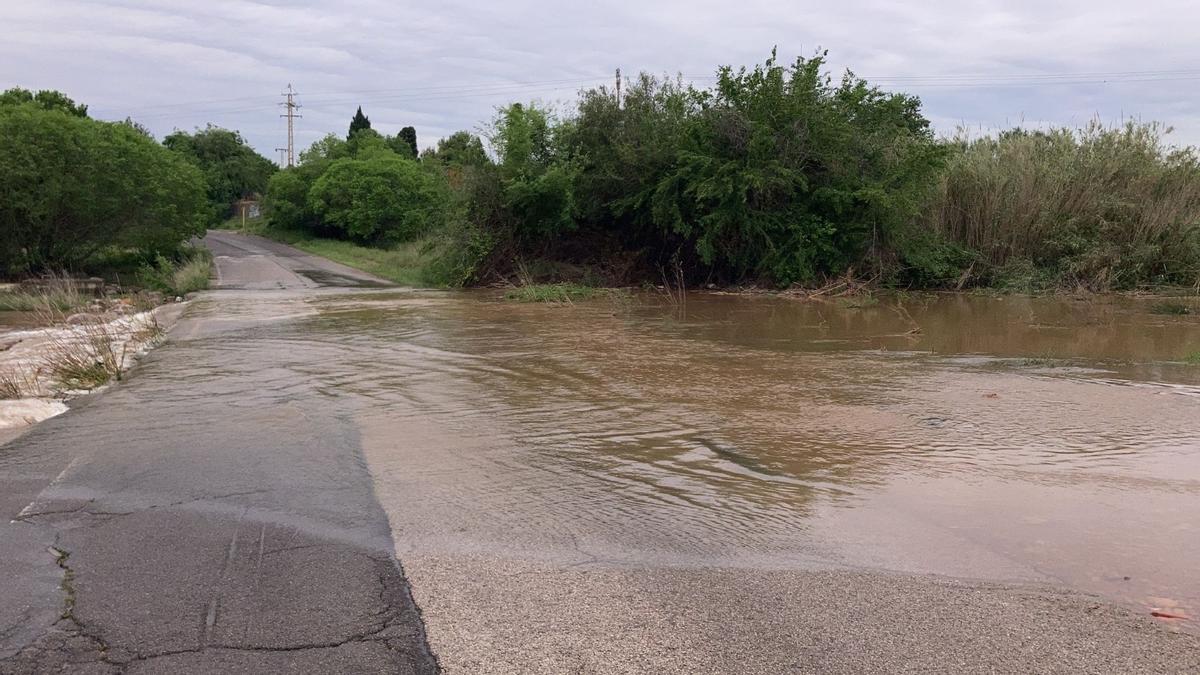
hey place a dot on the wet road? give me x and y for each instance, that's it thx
(589, 489)
(197, 518)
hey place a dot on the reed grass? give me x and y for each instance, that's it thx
(1098, 207)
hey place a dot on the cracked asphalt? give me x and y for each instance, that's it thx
(200, 517)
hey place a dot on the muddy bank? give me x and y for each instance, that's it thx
(35, 384)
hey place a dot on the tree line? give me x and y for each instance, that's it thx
(777, 174)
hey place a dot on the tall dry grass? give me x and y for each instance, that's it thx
(1101, 207)
(87, 354)
(52, 292)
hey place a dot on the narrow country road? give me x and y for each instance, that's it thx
(237, 505)
(201, 517)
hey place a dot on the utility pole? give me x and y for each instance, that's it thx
(291, 106)
(618, 88)
(282, 156)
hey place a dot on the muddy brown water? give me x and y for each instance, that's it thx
(1047, 440)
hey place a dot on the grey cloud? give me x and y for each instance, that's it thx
(443, 66)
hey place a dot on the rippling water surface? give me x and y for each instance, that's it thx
(1051, 440)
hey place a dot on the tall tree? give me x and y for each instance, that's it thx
(231, 168)
(358, 123)
(409, 136)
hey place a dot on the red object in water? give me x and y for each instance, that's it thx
(1166, 615)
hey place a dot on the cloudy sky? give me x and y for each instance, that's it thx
(444, 66)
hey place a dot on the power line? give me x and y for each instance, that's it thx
(290, 115)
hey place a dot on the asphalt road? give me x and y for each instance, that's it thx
(199, 518)
(216, 513)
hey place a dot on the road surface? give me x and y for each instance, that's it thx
(216, 513)
(193, 520)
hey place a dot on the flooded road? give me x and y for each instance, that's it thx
(743, 484)
(1054, 441)
(737, 427)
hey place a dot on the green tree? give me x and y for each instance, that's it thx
(231, 168)
(535, 180)
(46, 99)
(359, 122)
(408, 137)
(783, 175)
(382, 199)
(71, 187)
(460, 149)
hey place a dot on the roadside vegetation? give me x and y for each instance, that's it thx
(86, 198)
(777, 175)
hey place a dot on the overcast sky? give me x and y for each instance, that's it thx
(444, 66)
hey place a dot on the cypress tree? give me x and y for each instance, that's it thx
(358, 123)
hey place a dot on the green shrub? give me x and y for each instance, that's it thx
(385, 198)
(188, 273)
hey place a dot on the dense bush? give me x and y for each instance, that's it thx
(380, 199)
(358, 189)
(232, 169)
(774, 174)
(72, 187)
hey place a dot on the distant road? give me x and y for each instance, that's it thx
(248, 261)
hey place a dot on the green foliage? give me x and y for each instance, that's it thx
(535, 179)
(187, 272)
(232, 169)
(1098, 207)
(406, 142)
(359, 122)
(775, 174)
(460, 149)
(46, 99)
(71, 187)
(384, 198)
(784, 176)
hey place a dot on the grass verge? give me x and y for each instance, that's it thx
(407, 264)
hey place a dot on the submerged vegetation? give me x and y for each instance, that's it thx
(1175, 308)
(560, 293)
